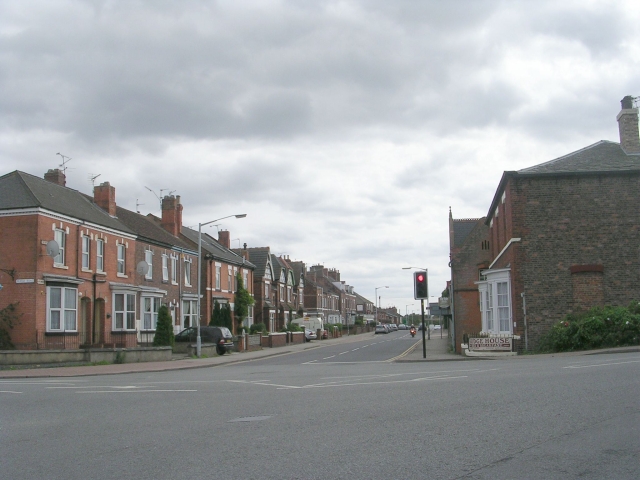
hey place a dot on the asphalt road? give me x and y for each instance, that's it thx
(295, 418)
(365, 348)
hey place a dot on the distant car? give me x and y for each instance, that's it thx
(393, 327)
(436, 327)
(309, 335)
(381, 329)
(402, 326)
(220, 336)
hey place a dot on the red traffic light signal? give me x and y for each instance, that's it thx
(420, 286)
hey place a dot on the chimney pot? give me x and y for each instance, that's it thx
(56, 176)
(628, 126)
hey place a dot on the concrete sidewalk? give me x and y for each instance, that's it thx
(436, 348)
(178, 363)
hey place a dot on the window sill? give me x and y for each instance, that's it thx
(121, 275)
(87, 270)
(58, 333)
(61, 267)
(101, 272)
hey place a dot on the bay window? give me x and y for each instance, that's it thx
(62, 309)
(124, 311)
(495, 302)
(150, 307)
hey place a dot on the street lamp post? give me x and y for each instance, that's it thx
(386, 286)
(200, 225)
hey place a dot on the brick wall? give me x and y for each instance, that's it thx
(466, 261)
(571, 221)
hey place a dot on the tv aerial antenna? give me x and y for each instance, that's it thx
(137, 205)
(92, 178)
(159, 197)
(65, 160)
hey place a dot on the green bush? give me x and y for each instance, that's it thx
(293, 327)
(600, 327)
(257, 328)
(164, 329)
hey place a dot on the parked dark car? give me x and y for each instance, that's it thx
(221, 336)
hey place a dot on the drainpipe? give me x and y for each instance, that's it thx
(526, 328)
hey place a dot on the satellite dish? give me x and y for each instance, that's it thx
(142, 268)
(53, 249)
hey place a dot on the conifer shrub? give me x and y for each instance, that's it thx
(164, 329)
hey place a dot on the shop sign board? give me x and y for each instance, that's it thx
(491, 343)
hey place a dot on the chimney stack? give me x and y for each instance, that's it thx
(56, 176)
(104, 195)
(628, 126)
(224, 238)
(172, 215)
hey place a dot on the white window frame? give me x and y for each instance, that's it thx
(174, 269)
(127, 315)
(99, 255)
(86, 252)
(189, 310)
(66, 313)
(218, 276)
(149, 306)
(245, 279)
(187, 272)
(60, 236)
(495, 302)
(229, 279)
(148, 257)
(121, 258)
(165, 267)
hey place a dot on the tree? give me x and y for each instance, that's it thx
(216, 316)
(164, 329)
(8, 319)
(243, 300)
(225, 317)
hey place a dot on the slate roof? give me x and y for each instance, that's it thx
(601, 158)
(148, 230)
(210, 245)
(362, 300)
(462, 228)
(19, 190)
(259, 256)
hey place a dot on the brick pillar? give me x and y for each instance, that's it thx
(224, 238)
(104, 195)
(172, 214)
(628, 126)
(56, 176)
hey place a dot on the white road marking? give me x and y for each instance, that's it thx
(138, 391)
(602, 364)
(8, 391)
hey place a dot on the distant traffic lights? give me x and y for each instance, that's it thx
(420, 286)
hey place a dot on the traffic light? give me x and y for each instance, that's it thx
(420, 286)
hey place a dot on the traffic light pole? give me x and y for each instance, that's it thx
(424, 342)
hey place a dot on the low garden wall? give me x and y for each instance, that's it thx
(111, 355)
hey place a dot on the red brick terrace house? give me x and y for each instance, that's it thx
(220, 267)
(75, 295)
(563, 237)
(263, 292)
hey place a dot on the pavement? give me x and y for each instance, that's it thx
(436, 348)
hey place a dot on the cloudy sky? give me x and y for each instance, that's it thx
(344, 129)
